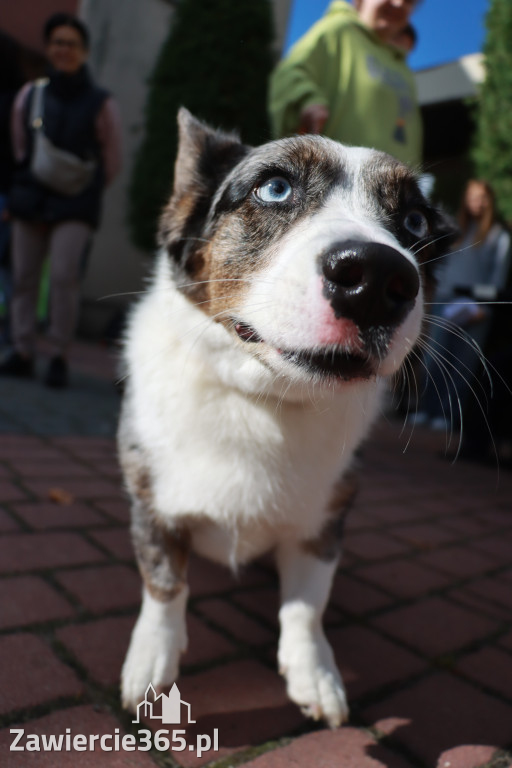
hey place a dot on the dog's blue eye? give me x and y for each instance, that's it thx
(416, 223)
(275, 190)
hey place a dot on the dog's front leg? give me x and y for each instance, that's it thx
(305, 657)
(159, 636)
(306, 569)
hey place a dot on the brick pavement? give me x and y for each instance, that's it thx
(419, 619)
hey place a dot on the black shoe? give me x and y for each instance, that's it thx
(17, 365)
(57, 373)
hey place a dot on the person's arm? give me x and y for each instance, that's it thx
(297, 99)
(501, 261)
(18, 129)
(108, 132)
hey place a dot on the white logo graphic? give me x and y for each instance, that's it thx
(171, 706)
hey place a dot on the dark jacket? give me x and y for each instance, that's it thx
(71, 106)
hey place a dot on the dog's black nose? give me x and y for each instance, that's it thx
(370, 283)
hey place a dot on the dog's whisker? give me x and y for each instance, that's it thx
(473, 391)
(447, 379)
(459, 333)
(470, 371)
(430, 241)
(470, 302)
(450, 254)
(410, 374)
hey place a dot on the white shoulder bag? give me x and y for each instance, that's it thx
(60, 171)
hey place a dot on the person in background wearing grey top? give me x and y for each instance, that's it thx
(82, 119)
(461, 311)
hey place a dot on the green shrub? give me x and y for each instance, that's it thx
(492, 152)
(215, 61)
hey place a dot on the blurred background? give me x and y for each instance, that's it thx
(215, 57)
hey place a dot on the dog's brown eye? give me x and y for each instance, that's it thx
(417, 224)
(275, 190)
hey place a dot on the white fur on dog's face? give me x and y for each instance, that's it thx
(285, 302)
(252, 263)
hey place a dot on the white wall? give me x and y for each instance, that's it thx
(126, 36)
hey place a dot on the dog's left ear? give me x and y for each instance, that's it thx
(205, 157)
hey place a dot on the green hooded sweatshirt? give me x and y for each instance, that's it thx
(365, 83)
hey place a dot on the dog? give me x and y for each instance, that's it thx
(290, 284)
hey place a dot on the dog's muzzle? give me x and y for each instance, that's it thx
(370, 283)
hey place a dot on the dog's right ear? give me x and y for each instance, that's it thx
(205, 157)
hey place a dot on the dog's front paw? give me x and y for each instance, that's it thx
(312, 678)
(153, 657)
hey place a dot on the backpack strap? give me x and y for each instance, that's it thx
(37, 106)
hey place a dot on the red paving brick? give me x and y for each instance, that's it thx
(102, 589)
(494, 589)
(506, 641)
(206, 577)
(31, 674)
(466, 757)
(116, 541)
(11, 492)
(246, 701)
(346, 748)
(89, 446)
(236, 623)
(490, 667)
(467, 598)
(403, 578)
(31, 551)
(204, 643)
(434, 626)
(424, 537)
(99, 646)
(261, 602)
(78, 488)
(27, 600)
(50, 467)
(80, 720)
(7, 523)
(372, 546)
(439, 713)
(118, 510)
(355, 597)
(496, 548)
(368, 661)
(459, 562)
(41, 516)
(25, 446)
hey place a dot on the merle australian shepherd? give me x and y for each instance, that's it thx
(289, 286)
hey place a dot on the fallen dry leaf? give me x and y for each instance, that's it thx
(60, 496)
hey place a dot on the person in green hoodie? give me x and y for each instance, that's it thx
(345, 79)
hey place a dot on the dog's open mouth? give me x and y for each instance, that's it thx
(332, 362)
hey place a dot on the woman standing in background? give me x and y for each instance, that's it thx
(80, 118)
(468, 282)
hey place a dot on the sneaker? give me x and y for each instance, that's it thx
(15, 364)
(57, 373)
